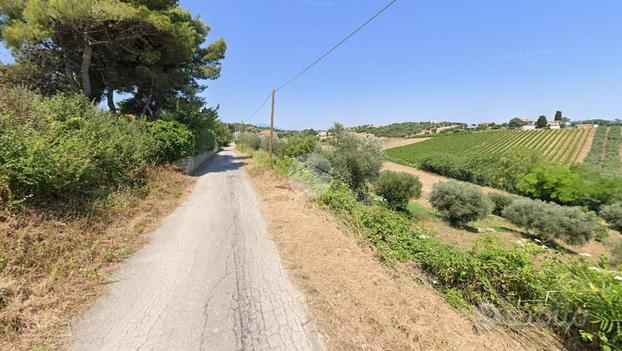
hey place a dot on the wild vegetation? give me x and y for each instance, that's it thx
(79, 185)
(397, 188)
(403, 130)
(522, 283)
(460, 203)
(562, 146)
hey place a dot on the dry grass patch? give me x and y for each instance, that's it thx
(357, 302)
(51, 267)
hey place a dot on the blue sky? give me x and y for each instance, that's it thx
(468, 61)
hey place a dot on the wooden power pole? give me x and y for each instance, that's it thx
(271, 125)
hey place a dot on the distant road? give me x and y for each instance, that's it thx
(210, 279)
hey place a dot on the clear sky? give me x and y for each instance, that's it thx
(467, 61)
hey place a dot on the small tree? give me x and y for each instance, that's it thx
(613, 215)
(355, 160)
(558, 116)
(542, 122)
(460, 203)
(550, 221)
(500, 202)
(516, 123)
(397, 188)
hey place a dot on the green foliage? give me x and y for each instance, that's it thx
(613, 215)
(300, 145)
(558, 115)
(551, 183)
(500, 202)
(153, 50)
(202, 122)
(527, 278)
(402, 130)
(250, 140)
(550, 221)
(397, 188)
(460, 203)
(174, 140)
(541, 122)
(355, 160)
(63, 149)
(516, 123)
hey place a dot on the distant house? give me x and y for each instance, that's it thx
(555, 124)
(528, 124)
(322, 134)
(266, 132)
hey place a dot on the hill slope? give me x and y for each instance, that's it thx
(563, 146)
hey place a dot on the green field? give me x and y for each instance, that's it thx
(605, 152)
(562, 146)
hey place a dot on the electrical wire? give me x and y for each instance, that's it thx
(358, 29)
(297, 75)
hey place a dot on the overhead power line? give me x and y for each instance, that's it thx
(297, 75)
(358, 29)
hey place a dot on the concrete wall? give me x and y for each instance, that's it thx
(190, 164)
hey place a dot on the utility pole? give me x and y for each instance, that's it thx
(271, 125)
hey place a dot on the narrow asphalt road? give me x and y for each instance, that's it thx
(210, 279)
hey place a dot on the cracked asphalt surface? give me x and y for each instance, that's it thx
(210, 279)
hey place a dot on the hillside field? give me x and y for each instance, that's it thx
(562, 146)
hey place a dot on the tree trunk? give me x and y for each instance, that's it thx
(68, 72)
(146, 107)
(110, 99)
(86, 65)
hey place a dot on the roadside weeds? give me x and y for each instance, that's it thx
(51, 268)
(358, 302)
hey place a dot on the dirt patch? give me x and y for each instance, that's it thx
(427, 179)
(356, 301)
(52, 268)
(389, 143)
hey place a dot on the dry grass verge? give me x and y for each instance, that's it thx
(51, 267)
(357, 302)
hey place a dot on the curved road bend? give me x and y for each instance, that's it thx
(210, 279)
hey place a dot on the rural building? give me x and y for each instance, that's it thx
(555, 124)
(266, 132)
(529, 127)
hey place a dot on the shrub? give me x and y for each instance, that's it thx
(250, 140)
(173, 139)
(46, 155)
(613, 215)
(298, 146)
(460, 203)
(397, 188)
(356, 160)
(550, 221)
(499, 202)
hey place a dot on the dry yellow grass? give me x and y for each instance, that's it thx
(358, 303)
(52, 267)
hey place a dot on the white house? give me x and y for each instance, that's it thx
(529, 127)
(554, 124)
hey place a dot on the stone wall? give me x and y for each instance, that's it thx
(190, 164)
